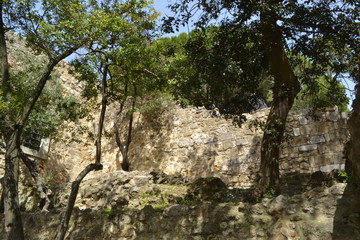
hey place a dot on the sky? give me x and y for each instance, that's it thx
(161, 6)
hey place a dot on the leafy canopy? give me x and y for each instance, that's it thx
(325, 32)
(223, 67)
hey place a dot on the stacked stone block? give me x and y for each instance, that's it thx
(317, 142)
(197, 144)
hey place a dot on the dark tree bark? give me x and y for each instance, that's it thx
(286, 87)
(12, 133)
(124, 147)
(2, 196)
(4, 65)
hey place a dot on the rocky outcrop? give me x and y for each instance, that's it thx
(136, 206)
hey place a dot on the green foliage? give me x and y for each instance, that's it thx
(161, 205)
(3, 105)
(345, 178)
(108, 211)
(154, 104)
(170, 47)
(150, 194)
(144, 203)
(331, 50)
(221, 67)
(54, 105)
(271, 193)
(320, 86)
(187, 202)
(321, 94)
(157, 205)
(124, 46)
(49, 182)
(54, 30)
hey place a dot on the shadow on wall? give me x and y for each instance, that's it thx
(236, 165)
(207, 147)
(54, 170)
(347, 215)
(202, 164)
(153, 134)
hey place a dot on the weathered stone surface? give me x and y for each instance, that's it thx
(303, 120)
(307, 148)
(192, 143)
(323, 212)
(296, 132)
(317, 139)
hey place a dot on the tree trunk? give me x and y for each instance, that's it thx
(4, 65)
(11, 133)
(72, 198)
(353, 146)
(13, 223)
(124, 147)
(2, 195)
(4, 71)
(102, 114)
(286, 87)
(11, 129)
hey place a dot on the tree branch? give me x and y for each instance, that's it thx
(72, 198)
(43, 191)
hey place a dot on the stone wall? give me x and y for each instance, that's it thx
(196, 144)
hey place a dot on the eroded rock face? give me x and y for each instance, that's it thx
(134, 206)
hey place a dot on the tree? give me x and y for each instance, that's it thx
(122, 25)
(223, 67)
(326, 95)
(55, 29)
(132, 69)
(53, 107)
(139, 79)
(300, 26)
